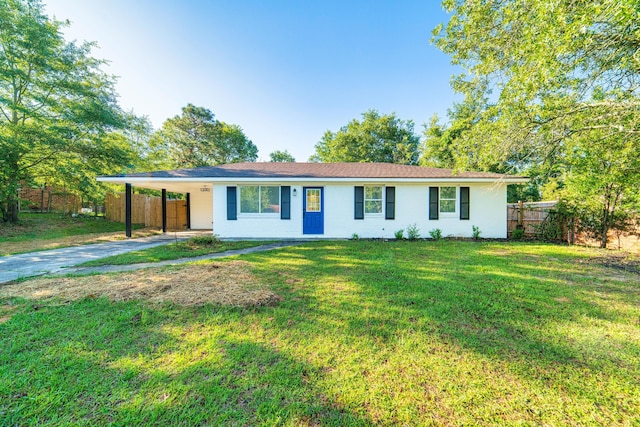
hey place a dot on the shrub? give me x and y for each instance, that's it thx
(204, 240)
(436, 234)
(476, 232)
(355, 236)
(551, 228)
(413, 232)
(517, 234)
(399, 234)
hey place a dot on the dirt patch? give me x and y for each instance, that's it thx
(228, 283)
(619, 261)
(6, 312)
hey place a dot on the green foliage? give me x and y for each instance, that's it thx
(376, 138)
(195, 138)
(59, 119)
(209, 240)
(600, 187)
(560, 105)
(436, 234)
(355, 236)
(517, 234)
(399, 234)
(367, 333)
(557, 220)
(413, 232)
(549, 230)
(281, 156)
(475, 232)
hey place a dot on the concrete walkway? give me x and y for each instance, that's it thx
(56, 261)
(132, 267)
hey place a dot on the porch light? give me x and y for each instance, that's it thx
(295, 192)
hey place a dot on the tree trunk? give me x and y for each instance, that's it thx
(605, 226)
(10, 210)
(64, 200)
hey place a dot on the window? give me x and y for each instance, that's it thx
(259, 199)
(313, 200)
(372, 200)
(447, 200)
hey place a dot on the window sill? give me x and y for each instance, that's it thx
(449, 215)
(260, 216)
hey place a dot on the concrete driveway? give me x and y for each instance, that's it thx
(53, 261)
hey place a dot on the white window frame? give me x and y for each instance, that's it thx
(455, 202)
(259, 214)
(381, 199)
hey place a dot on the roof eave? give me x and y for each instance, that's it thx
(134, 180)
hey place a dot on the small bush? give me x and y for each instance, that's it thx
(399, 234)
(355, 236)
(550, 229)
(204, 241)
(436, 234)
(517, 234)
(476, 232)
(413, 232)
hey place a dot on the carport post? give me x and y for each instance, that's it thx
(164, 210)
(127, 209)
(188, 211)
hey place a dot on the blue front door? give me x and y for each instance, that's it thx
(313, 211)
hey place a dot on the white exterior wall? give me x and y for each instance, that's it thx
(487, 211)
(201, 210)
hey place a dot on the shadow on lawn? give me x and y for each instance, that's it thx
(128, 364)
(515, 306)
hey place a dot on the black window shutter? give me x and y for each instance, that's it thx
(464, 202)
(390, 203)
(285, 202)
(231, 203)
(433, 202)
(359, 203)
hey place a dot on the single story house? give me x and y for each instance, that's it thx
(334, 200)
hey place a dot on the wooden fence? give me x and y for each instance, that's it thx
(530, 214)
(48, 199)
(147, 210)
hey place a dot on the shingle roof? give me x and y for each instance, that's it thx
(315, 170)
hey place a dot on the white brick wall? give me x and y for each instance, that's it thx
(487, 211)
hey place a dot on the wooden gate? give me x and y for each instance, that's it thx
(147, 210)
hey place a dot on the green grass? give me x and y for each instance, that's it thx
(42, 231)
(368, 333)
(53, 226)
(193, 247)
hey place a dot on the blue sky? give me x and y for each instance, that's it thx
(285, 71)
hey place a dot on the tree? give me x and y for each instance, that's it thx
(57, 107)
(195, 138)
(281, 156)
(600, 187)
(376, 138)
(546, 81)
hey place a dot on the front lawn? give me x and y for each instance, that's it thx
(361, 333)
(40, 231)
(196, 246)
